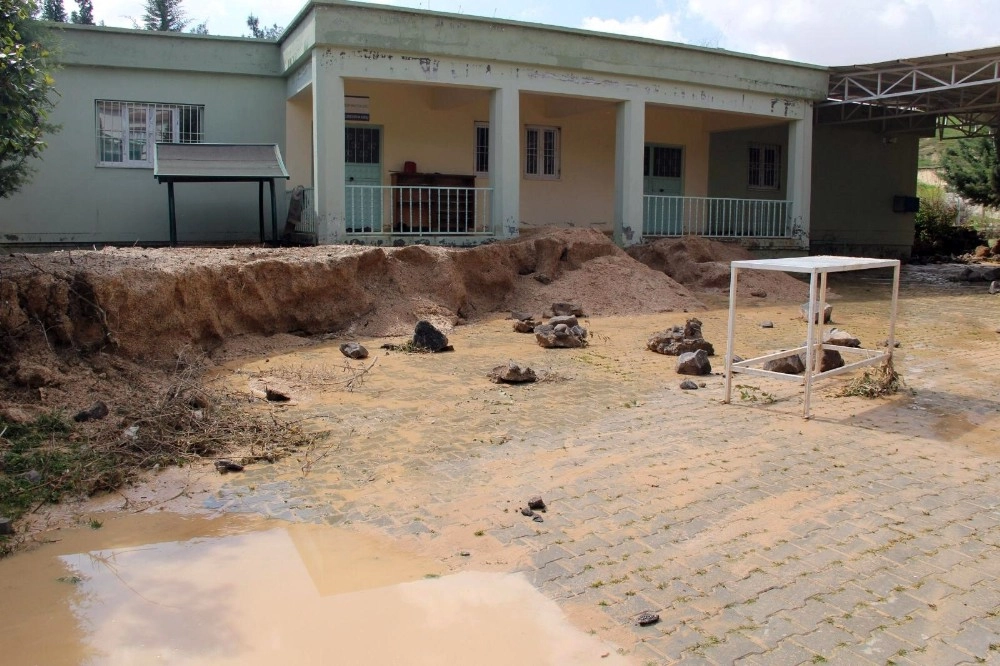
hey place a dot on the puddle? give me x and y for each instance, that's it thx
(234, 591)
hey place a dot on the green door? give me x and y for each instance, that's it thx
(363, 168)
(661, 177)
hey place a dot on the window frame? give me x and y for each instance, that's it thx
(481, 150)
(757, 169)
(542, 172)
(123, 130)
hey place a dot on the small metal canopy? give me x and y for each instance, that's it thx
(220, 163)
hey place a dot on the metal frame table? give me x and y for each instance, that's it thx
(818, 268)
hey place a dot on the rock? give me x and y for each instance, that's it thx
(131, 433)
(226, 466)
(512, 373)
(521, 316)
(536, 503)
(548, 337)
(702, 384)
(835, 336)
(694, 363)
(561, 329)
(995, 287)
(831, 359)
(647, 618)
(789, 365)
(537, 518)
(995, 250)
(274, 395)
(767, 324)
(542, 278)
(826, 309)
(579, 332)
(566, 309)
(95, 412)
(427, 337)
(981, 252)
(895, 344)
(33, 375)
(353, 350)
(526, 511)
(569, 320)
(6, 526)
(688, 385)
(759, 293)
(679, 340)
(32, 476)
(525, 326)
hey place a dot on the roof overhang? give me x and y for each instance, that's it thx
(217, 162)
(960, 91)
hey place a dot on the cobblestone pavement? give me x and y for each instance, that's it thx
(866, 535)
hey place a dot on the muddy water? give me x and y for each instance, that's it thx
(192, 590)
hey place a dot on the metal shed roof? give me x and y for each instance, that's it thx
(217, 162)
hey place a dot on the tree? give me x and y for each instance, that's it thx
(86, 14)
(53, 10)
(200, 29)
(972, 169)
(165, 16)
(263, 33)
(25, 89)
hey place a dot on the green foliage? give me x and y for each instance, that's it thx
(53, 10)
(263, 33)
(86, 14)
(164, 16)
(25, 90)
(970, 166)
(936, 231)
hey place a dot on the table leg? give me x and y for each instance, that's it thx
(734, 272)
(810, 332)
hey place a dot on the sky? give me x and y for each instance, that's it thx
(822, 32)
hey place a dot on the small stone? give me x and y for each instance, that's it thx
(32, 476)
(520, 316)
(566, 309)
(6, 526)
(537, 518)
(995, 287)
(465, 553)
(789, 365)
(759, 293)
(226, 466)
(569, 320)
(895, 344)
(542, 278)
(525, 325)
(353, 350)
(826, 309)
(688, 385)
(647, 618)
(767, 324)
(549, 337)
(702, 384)
(512, 373)
(95, 412)
(274, 395)
(426, 336)
(694, 363)
(527, 512)
(536, 503)
(835, 336)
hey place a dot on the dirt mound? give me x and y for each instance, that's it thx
(148, 303)
(703, 265)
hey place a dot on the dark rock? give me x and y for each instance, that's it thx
(647, 618)
(536, 503)
(831, 359)
(95, 412)
(537, 518)
(679, 340)
(527, 512)
(226, 466)
(827, 311)
(767, 324)
(6, 526)
(835, 336)
(569, 320)
(428, 337)
(692, 329)
(566, 309)
(512, 373)
(521, 316)
(694, 363)
(274, 395)
(688, 385)
(579, 331)
(789, 365)
(759, 293)
(353, 350)
(525, 326)
(548, 337)
(542, 278)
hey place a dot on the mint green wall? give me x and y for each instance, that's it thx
(72, 200)
(856, 172)
(728, 162)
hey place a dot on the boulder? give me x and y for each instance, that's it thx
(981, 252)
(525, 326)
(836, 336)
(689, 385)
(550, 338)
(426, 336)
(831, 359)
(569, 320)
(520, 316)
(826, 309)
(694, 363)
(567, 309)
(353, 350)
(789, 365)
(679, 340)
(512, 373)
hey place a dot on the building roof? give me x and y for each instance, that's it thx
(218, 162)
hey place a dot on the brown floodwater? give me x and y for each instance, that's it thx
(175, 589)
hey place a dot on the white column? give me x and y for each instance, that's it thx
(629, 144)
(328, 152)
(799, 185)
(505, 161)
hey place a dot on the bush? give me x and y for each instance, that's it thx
(936, 232)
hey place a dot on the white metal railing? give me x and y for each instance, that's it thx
(405, 210)
(715, 216)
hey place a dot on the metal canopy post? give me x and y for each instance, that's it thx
(260, 208)
(274, 214)
(172, 211)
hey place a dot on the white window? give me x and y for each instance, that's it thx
(126, 131)
(481, 156)
(541, 152)
(764, 166)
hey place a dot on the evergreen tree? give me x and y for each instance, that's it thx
(200, 29)
(971, 167)
(165, 16)
(263, 33)
(53, 10)
(86, 14)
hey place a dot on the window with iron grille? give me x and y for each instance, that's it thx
(764, 166)
(662, 162)
(126, 131)
(541, 152)
(481, 155)
(362, 145)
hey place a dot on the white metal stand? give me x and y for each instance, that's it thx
(818, 269)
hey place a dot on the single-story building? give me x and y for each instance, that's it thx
(401, 126)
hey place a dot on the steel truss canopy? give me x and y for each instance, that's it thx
(954, 91)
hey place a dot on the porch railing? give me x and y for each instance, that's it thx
(716, 217)
(417, 211)
(306, 223)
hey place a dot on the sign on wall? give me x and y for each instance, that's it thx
(357, 108)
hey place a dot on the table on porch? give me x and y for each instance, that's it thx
(818, 269)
